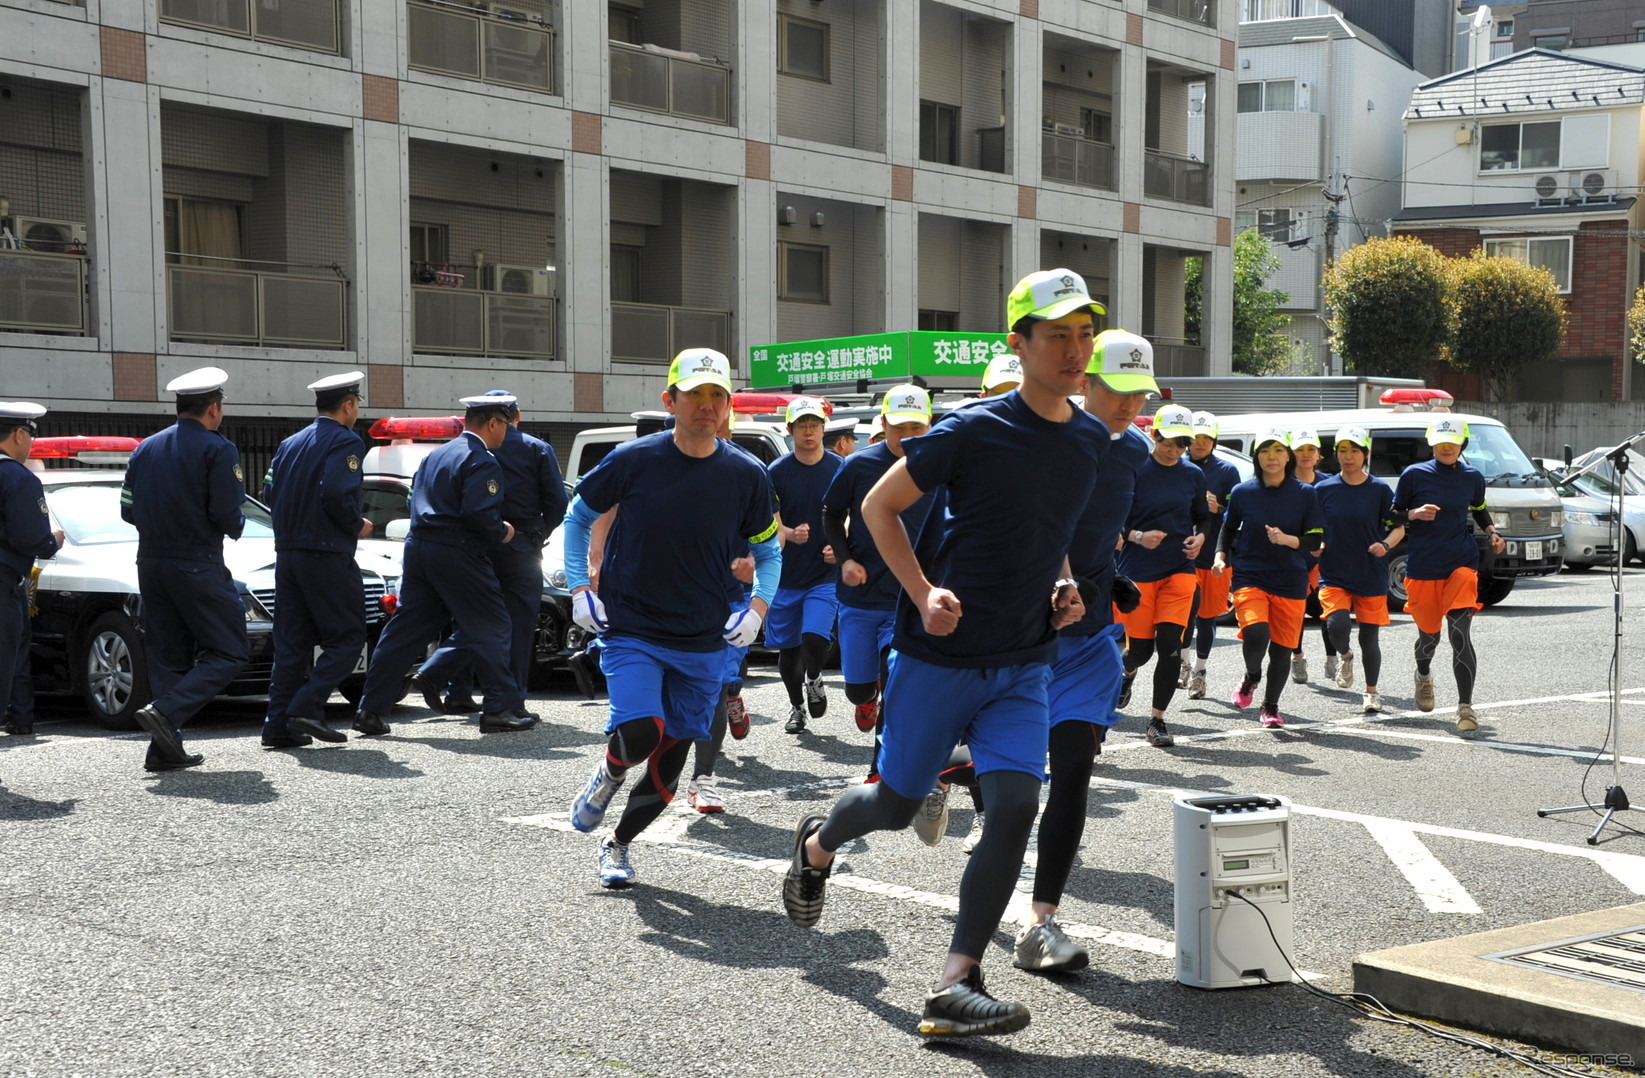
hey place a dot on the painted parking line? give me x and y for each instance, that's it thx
(1434, 884)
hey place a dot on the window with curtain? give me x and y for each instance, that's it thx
(200, 233)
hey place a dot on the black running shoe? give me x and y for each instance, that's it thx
(965, 1009)
(804, 886)
(1125, 691)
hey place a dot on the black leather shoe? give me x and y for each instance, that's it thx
(522, 713)
(159, 761)
(582, 672)
(302, 724)
(17, 729)
(164, 734)
(502, 721)
(286, 741)
(461, 705)
(430, 691)
(370, 724)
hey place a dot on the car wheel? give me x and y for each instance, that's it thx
(1495, 589)
(1396, 581)
(114, 678)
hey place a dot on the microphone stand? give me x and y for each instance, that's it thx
(1616, 798)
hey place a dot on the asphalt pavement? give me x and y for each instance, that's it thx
(418, 905)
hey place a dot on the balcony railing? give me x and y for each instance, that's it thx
(501, 43)
(1071, 159)
(652, 333)
(1178, 359)
(1203, 12)
(42, 293)
(1178, 178)
(463, 321)
(232, 306)
(659, 81)
(310, 24)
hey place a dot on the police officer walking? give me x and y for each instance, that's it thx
(313, 491)
(456, 517)
(183, 491)
(25, 534)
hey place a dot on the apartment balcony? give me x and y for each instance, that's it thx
(511, 44)
(1176, 177)
(468, 322)
(308, 24)
(1076, 160)
(42, 293)
(1203, 12)
(654, 333)
(1280, 146)
(662, 80)
(231, 306)
(1179, 359)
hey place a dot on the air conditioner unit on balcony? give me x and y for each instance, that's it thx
(1550, 189)
(40, 234)
(1590, 185)
(515, 13)
(520, 280)
(1071, 130)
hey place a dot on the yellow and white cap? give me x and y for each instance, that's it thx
(1174, 421)
(907, 403)
(1358, 437)
(1049, 294)
(1447, 428)
(1003, 369)
(700, 366)
(1270, 434)
(1305, 436)
(1124, 362)
(800, 407)
(1205, 423)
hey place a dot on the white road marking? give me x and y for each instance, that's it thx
(1438, 889)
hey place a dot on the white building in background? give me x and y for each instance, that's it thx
(555, 195)
(1320, 153)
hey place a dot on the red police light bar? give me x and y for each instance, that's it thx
(417, 428)
(70, 446)
(748, 402)
(1413, 396)
(1143, 422)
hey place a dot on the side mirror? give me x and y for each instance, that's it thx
(1567, 456)
(397, 530)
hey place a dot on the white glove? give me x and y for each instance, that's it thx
(742, 627)
(588, 612)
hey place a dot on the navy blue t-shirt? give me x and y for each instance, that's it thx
(800, 488)
(1440, 546)
(1171, 500)
(1293, 508)
(851, 484)
(1091, 554)
(1016, 485)
(1220, 479)
(669, 552)
(1356, 515)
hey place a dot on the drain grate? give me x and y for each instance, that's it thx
(1613, 958)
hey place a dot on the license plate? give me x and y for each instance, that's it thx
(359, 664)
(1533, 551)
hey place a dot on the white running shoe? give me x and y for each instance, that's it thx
(1186, 673)
(704, 795)
(1299, 669)
(1371, 703)
(1425, 693)
(974, 836)
(1345, 673)
(1196, 686)
(1331, 664)
(932, 819)
(616, 871)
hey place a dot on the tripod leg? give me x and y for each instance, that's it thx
(1569, 808)
(1593, 839)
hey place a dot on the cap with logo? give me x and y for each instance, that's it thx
(199, 383)
(800, 407)
(1448, 429)
(1304, 436)
(907, 403)
(700, 366)
(1354, 436)
(1174, 421)
(1205, 423)
(1270, 435)
(1003, 369)
(1124, 362)
(1049, 294)
(21, 414)
(878, 433)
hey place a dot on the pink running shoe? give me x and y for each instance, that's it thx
(1244, 694)
(1271, 717)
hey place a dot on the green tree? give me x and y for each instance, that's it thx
(1636, 325)
(1259, 343)
(1507, 313)
(1389, 314)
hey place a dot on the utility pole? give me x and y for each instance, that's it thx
(1333, 197)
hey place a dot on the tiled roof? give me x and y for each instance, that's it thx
(1535, 81)
(1281, 31)
(1513, 209)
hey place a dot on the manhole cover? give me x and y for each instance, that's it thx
(1614, 958)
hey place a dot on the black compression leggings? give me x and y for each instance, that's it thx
(1464, 663)
(1205, 634)
(1257, 640)
(805, 660)
(1370, 643)
(1013, 801)
(1168, 642)
(642, 740)
(708, 749)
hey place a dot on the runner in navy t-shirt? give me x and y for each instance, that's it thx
(1221, 478)
(977, 628)
(1307, 448)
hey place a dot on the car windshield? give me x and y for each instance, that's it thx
(1494, 452)
(89, 514)
(1602, 480)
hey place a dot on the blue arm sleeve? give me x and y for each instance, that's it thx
(579, 521)
(768, 568)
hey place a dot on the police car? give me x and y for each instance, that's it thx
(88, 628)
(386, 492)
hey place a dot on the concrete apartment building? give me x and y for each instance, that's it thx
(1555, 25)
(556, 195)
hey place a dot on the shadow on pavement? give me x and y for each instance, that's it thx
(16, 806)
(223, 787)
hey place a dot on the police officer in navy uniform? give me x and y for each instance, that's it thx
(456, 516)
(534, 502)
(183, 491)
(313, 490)
(25, 534)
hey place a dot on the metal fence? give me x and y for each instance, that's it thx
(310, 24)
(508, 46)
(461, 321)
(1176, 177)
(1203, 12)
(224, 306)
(659, 82)
(42, 293)
(1071, 159)
(653, 333)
